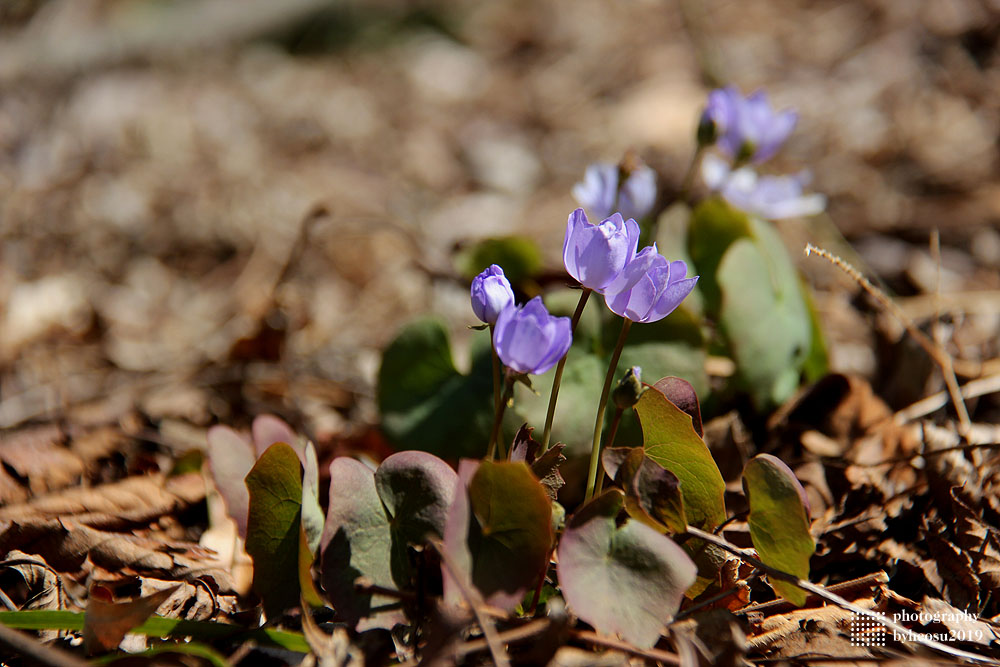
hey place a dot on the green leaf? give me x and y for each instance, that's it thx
(764, 315)
(672, 346)
(157, 626)
(518, 255)
(779, 521)
(499, 531)
(579, 393)
(625, 580)
(670, 440)
(206, 653)
(714, 227)
(652, 493)
(425, 403)
(273, 525)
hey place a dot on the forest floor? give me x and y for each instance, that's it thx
(207, 214)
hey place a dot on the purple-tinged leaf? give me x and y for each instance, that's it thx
(680, 392)
(525, 448)
(625, 580)
(230, 458)
(417, 489)
(357, 541)
(613, 458)
(373, 517)
(779, 521)
(268, 429)
(499, 531)
(273, 527)
(671, 441)
(312, 513)
(652, 493)
(546, 466)
(546, 469)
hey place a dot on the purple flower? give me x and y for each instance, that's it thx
(649, 288)
(491, 293)
(596, 254)
(530, 340)
(600, 194)
(746, 128)
(768, 197)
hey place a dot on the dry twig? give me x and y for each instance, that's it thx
(829, 596)
(933, 349)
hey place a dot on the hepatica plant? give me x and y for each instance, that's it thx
(457, 517)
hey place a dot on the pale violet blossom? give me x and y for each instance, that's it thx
(768, 197)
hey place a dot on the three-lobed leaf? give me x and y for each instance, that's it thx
(670, 440)
(652, 493)
(779, 521)
(372, 519)
(626, 580)
(425, 403)
(230, 458)
(273, 527)
(499, 532)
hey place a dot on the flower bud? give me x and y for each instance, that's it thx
(530, 340)
(491, 293)
(628, 390)
(708, 131)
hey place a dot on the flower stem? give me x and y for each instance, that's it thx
(595, 451)
(557, 380)
(612, 432)
(689, 175)
(508, 392)
(496, 372)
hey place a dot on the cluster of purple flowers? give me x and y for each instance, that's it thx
(747, 130)
(640, 286)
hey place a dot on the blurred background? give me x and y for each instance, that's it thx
(209, 209)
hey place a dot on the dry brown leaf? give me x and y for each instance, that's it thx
(44, 588)
(134, 501)
(963, 626)
(106, 623)
(38, 456)
(960, 585)
(193, 601)
(816, 631)
(71, 547)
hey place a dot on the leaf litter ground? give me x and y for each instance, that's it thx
(189, 245)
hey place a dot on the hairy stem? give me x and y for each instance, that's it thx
(557, 380)
(498, 419)
(595, 451)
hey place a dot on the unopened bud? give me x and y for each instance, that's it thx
(628, 390)
(708, 131)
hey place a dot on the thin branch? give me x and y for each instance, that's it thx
(601, 641)
(35, 652)
(825, 594)
(978, 387)
(935, 351)
(475, 603)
